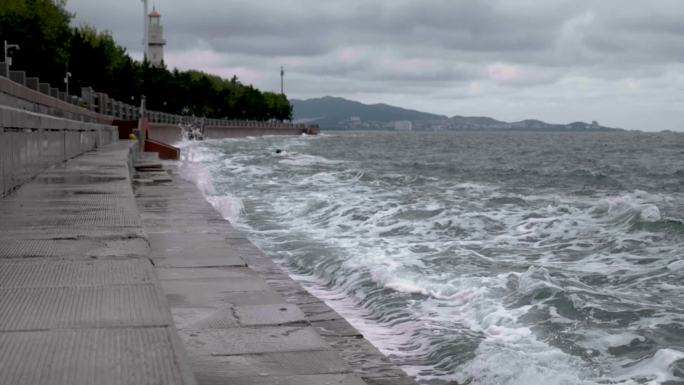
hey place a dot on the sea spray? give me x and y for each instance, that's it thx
(465, 259)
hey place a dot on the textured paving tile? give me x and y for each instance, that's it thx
(225, 342)
(92, 356)
(208, 292)
(79, 307)
(269, 364)
(194, 226)
(315, 379)
(198, 318)
(192, 250)
(69, 246)
(267, 297)
(91, 193)
(108, 218)
(48, 273)
(73, 233)
(275, 314)
(199, 260)
(30, 248)
(228, 273)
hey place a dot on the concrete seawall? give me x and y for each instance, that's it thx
(81, 302)
(32, 142)
(16, 95)
(242, 319)
(99, 285)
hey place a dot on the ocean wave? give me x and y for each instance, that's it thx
(307, 160)
(464, 280)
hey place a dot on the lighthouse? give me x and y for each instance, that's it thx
(154, 37)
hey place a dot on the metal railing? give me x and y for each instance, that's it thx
(101, 103)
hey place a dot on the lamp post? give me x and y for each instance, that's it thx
(8, 59)
(66, 79)
(282, 80)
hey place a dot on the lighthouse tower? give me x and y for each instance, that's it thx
(155, 39)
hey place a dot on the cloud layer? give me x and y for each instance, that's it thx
(620, 62)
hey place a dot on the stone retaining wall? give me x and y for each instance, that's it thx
(18, 95)
(32, 142)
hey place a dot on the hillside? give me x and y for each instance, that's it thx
(337, 113)
(342, 114)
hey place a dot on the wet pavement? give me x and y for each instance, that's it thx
(81, 302)
(241, 318)
(99, 285)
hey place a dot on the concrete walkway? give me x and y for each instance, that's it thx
(80, 301)
(244, 321)
(98, 286)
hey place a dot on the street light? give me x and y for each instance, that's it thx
(66, 79)
(8, 59)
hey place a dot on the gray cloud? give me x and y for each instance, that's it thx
(558, 60)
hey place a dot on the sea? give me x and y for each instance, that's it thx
(476, 258)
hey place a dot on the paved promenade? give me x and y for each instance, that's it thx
(101, 286)
(242, 319)
(80, 301)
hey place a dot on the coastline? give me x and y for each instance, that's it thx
(241, 296)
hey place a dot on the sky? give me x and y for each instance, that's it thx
(619, 62)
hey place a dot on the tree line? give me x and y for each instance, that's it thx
(50, 46)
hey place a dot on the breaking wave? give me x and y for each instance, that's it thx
(485, 273)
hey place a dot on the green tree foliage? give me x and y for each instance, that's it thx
(41, 27)
(49, 45)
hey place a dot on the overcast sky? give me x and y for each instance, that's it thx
(620, 62)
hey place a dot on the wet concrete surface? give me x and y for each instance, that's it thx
(99, 285)
(81, 302)
(241, 318)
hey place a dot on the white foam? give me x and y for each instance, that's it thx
(229, 207)
(676, 265)
(652, 371)
(354, 233)
(650, 213)
(307, 160)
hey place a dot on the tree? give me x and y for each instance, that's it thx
(41, 28)
(49, 44)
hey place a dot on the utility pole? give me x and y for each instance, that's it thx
(282, 80)
(145, 28)
(8, 59)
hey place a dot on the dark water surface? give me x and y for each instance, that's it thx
(520, 258)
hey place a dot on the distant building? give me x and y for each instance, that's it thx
(155, 40)
(403, 125)
(355, 120)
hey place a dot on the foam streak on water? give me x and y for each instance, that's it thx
(477, 258)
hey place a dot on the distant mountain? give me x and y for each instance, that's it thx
(331, 112)
(342, 114)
